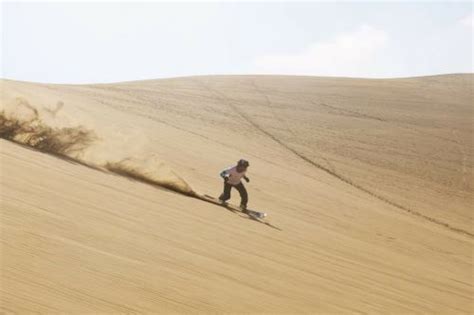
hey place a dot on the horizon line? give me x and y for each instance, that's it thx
(246, 75)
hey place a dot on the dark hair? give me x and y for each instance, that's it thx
(243, 163)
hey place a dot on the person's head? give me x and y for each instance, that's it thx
(242, 165)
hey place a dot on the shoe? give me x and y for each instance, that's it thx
(243, 208)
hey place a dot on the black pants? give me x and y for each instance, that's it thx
(240, 188)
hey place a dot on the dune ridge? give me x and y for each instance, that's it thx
(73, 141)
(62, 135)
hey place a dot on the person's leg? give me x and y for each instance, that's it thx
(226, 194)
(243, 194)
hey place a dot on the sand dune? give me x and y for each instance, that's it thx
(369, 183)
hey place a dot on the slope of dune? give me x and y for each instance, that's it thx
(369, 183)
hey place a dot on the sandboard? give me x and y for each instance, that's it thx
(257, 215)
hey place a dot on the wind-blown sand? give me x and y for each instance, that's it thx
(369, 183)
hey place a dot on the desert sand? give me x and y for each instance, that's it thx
(367, 183)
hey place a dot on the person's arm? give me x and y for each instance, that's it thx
(246, 178)
(225, 175)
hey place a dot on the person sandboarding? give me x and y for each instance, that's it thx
(232, 178)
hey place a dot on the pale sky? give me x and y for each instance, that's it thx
(110, 42)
